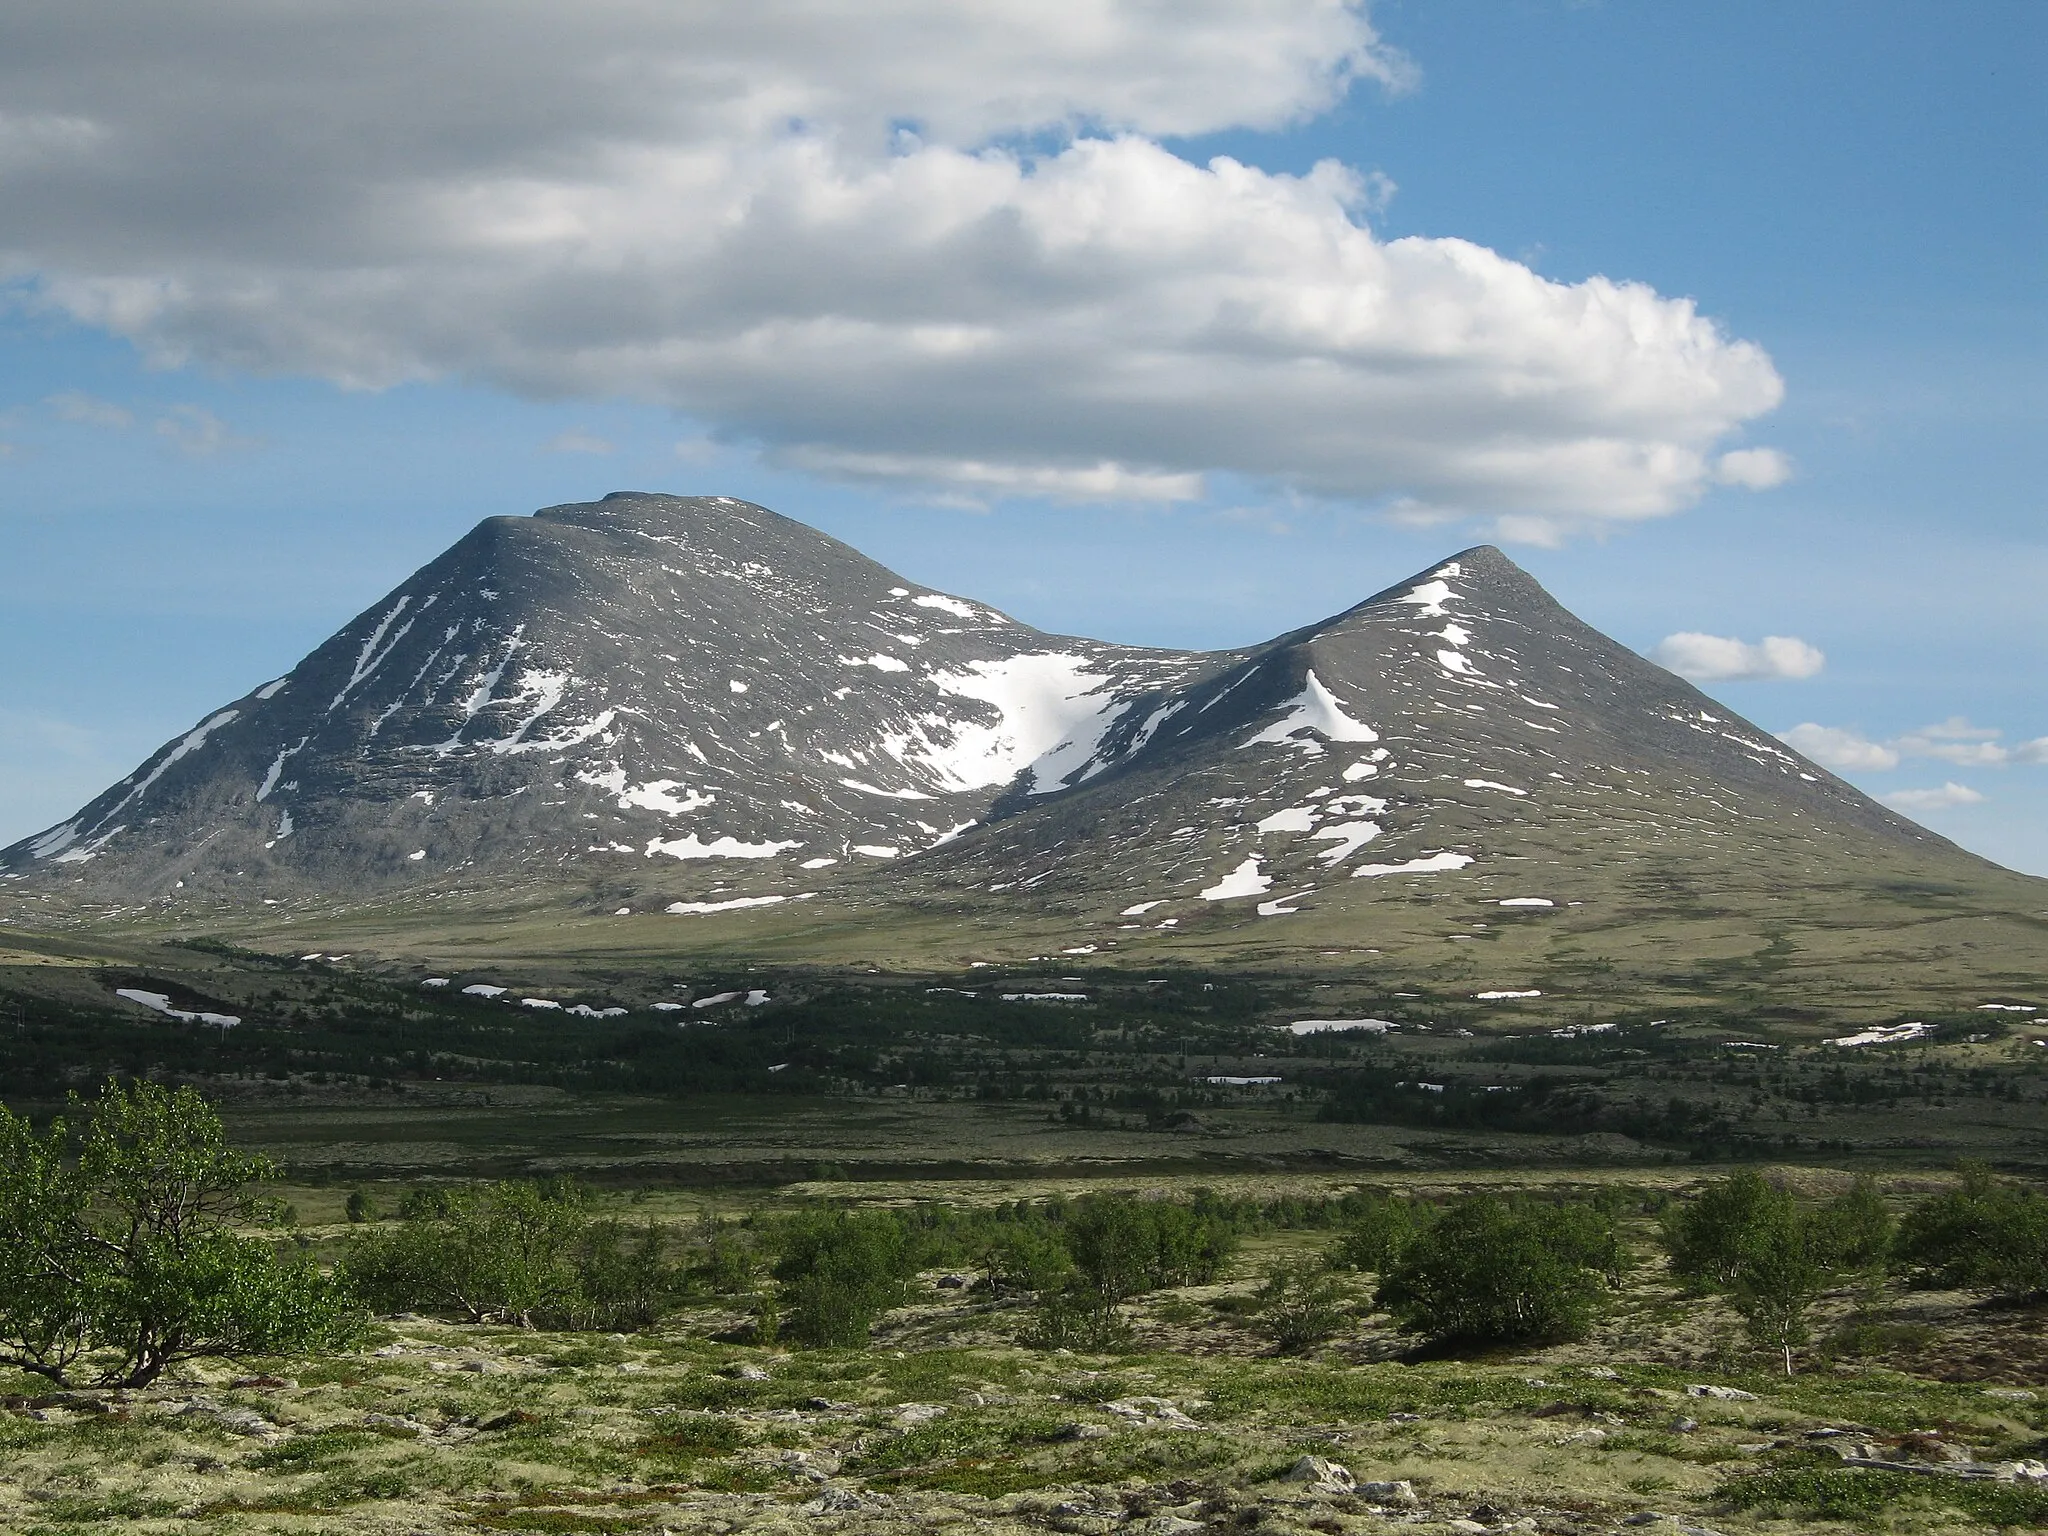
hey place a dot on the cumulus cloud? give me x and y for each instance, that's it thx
(1844, 751)
(910, 242)
(1753, 469)
(1717, 659)
(1950, 795)
(1954, 740)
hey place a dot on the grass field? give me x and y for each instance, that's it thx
(949, 1419)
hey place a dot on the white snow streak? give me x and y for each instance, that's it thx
(1435, 863)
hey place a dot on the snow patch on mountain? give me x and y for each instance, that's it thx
(1315, 709)
(1431, 864)
(1245, 880)
(691, 847)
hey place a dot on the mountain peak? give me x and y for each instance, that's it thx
(698, 702)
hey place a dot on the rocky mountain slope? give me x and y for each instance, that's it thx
(698, 708)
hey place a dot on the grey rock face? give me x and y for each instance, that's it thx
(700, 699)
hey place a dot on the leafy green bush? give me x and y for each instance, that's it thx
(509, 1253)
(1025, 1260)
(1774, 1255)
(1490, 1272)
(116, 1257)
(1986, 1234)
(1299, 1308)
(837, 1272)
(1115, 1248)
(1377, 1232)
(1708, 1236)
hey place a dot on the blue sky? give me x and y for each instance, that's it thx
(217, 450)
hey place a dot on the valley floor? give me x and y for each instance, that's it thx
(1660, 1421)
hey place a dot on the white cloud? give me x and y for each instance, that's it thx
(1753, 469)
(1716, 658)
(1945, 798)
(575, 440)
(1956, 740)
(1842, 750)
(73, 405)
(197, 433)
(812, 228)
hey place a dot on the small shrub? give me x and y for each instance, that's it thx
(688, 1437)
(1299, 1309)
(1489, 1272)
(1079, 1316)
(362, 1207)
(515, 1253)
(838, 1271)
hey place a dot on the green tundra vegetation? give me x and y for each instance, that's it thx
(1297, 1351)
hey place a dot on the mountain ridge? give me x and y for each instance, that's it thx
(704, 707)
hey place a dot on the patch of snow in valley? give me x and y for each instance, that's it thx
(483, 989)
(1140, 909)
(877, 850)
(1432, 864)
(1527, 901)
(1884, 1034)
(1501, 997)
(162, 1004)
(683, 908)
(878, 661)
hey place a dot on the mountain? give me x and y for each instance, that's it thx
(695, 708)
(695, 685)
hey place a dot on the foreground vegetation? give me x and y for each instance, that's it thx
(1304, 1355)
